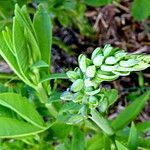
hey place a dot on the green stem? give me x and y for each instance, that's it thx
(44, 98)
(101, 122)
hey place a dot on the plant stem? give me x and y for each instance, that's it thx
(101, 122)
(44, 98)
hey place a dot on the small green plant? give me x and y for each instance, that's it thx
(106, 64)
(33, 112)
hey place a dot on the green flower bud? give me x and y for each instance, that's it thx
(89, 83)
(93, 102)
(107, 50)
(107, 78)
(128, 63)
(124, 69)
(77, 97)
(98, 60)
(92, 92)
(109, 68)
(82, 62)
(66, 96)
(83, 111)
(111, 60)
(104, 72)
(96, 52)
(122, 73)
(72, 75)
(90, 72)
(121, 54)
(141, 66)
(77, 85)
(79, 72)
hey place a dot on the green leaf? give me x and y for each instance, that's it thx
(121, 146)
(22, 107)
(54, 76)
(11, 128)
(78, 141)
(54, 97)
(133, 138)
(101, 122)
(5, 112)
(143, 126)
(43, 28)
(33, 45)
(8, 56)
(140, 9)
(40, 64)
(20, 46)
(130, 112)
(97, 3)
(144, 143)
(8, 39)
(112, 96)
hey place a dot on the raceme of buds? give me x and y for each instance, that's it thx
(106, 64)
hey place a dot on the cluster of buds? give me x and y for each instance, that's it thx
(106, 64)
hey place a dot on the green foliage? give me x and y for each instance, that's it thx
(97, 3)
(127, 115)
(140, 9)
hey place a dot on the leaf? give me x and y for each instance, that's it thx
(96, 142)
(40, 64)
(143, 126)
(11, 128)
(9, 57)
(120, 146)
(78, 141)
(130, 112)
(22, 107)
(112, 96)
(33, 45)
(54, 97)
(101, 122)
(43, 29)
(20, 46)
(60, 130)
(7, 35)
(97, 3)
(5, 112)
(144, 143)
(54, 76)
(140, 9)
(133, 138)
